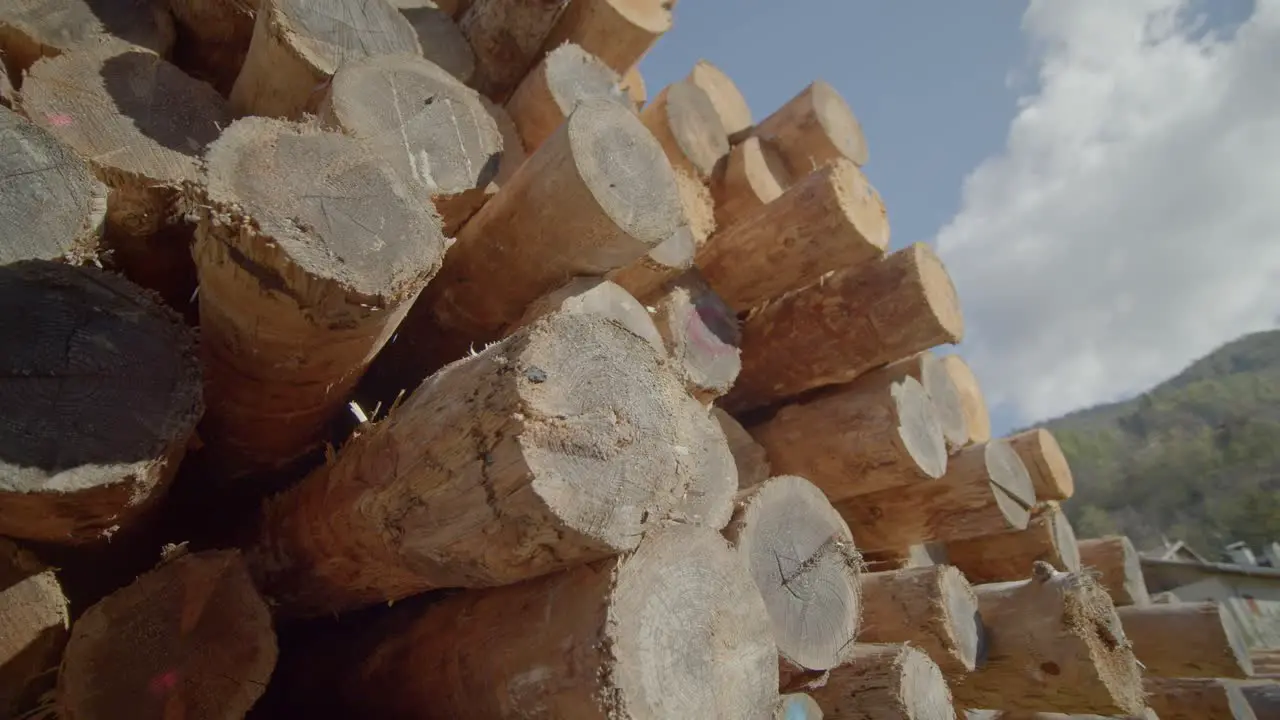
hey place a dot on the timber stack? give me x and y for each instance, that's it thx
(399, 358)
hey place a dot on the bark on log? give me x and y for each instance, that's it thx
(855, 440)
(507, 38)
(310, 251)
(191, 639)
(1187, 640)
(56, 211)
(797, 706)
(597, 296)
(546, 96)
(931, 608)
(1044, 460)
(32, 29)
(214, 38)
(886, 682)
(977, 421)
(674, 629)
(801, 556)
(595, 197)
(751, 175)
(298, 44)
(649, 277)
(685, 123)
(928, 370)
(33, 626)
(1263, 698)
(557, 446)
(701, 336)
(984, 491)
(442, 42)
(1197, 699)
(831, 220)
(1008, 556)
(1055, 644)
(849, 322)
(814, 128)
(748, 456)
(1115, 561)
(619, 32)
(101, 390)
(429, 127)
(632, 83)
(142, 124)
(728, 101)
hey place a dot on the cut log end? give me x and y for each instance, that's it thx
(939, 293)
(145, 650)
(1010, 482)
(977, 420)
(685, 122)
(1191, 640)
(698, 205)
(33, 626)
(619, 32)
(932, 608)
(442, 42)
(751, 175)
(887, 681)
(1048, 466)
(102, 391)
(601, 297)
(649, 277)
(748, 456)
(701, 335)
(1116, 563)
(728, 101)
(31, 29)
(918, 427)
(814, 128)
(548, 94)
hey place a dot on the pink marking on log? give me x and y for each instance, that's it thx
(60, 120)
(164, 682)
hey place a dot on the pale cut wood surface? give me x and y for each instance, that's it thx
(929, 371)
(931, 608)
(1186, 640)
(619, 32)
(566, 76)
(632, 83)
(977, 421)
(31, 29)
(601, 297)
(813, 128)
(685, 122)
(1008, 556)
(1116, 562)
(649, 276)
(34, 619)
(751, 175)
(725, 96)
(1048, 466)
(886, 682)
(701, 336)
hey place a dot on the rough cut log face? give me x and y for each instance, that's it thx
(31, 29)
(751, 175)
(597, 296)
(1187, 640)
(685, 123)
(192, 638)
(619, 32)
(977, 421)
(507, 38)
(309, 251)
(548, 94)
(894, 682)
(748, 456)
(1198, 699)
(928, 369)
(442, 42)
(814, 128)
(701, 336)
(650, 276)
(932, 608)
(1047, 464)
(33, 625)
(632, 83)
(513, 154)
(1115, 561)
(1008, 556)
(57, 210)
(101, 387)
(215, 38)
(432, 129)
(732, 108)
(560, 445)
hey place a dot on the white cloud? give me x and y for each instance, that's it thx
(1132, 223)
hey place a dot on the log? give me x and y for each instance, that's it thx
(558, 446)
(1263, 698)
(701, 336)
(1197, 699)
(801, 556)
(297, 45)
(309, 252)
(619, 32)
(600, 297)
(916, 555)
(426, 125)
(191, 639)
(632, 83)
(595, 197)
(1115, 562)
(977, 421)
(674, 629)
(748, 456)
(927, 369)
(546, 96)
(507, 38)
(728, 101)
(1187, 640)
(57, 211)
(513, 154)
(142, 124)
(442, 42)
(849, 322)
(31, 29)
(931, 608)
(1054, 644)
(1008, 556)
(855, 440)
(985, 490)
(685, 123)
(1044, 460)
(699, 207)
(751, 175)
(814, 128)
(33, 627)
(886, 682)
(101, 390)
(797, 706)
(832, 219)
(650, 276)
(8, 94)
(214, 38)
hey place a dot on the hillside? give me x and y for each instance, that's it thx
(1196, 458)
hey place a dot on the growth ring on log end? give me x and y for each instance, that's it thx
(101, 389)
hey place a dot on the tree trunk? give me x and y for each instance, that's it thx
(748, 456)
(858, 439)
(1054, 643)
(685, 122)
(728, 101)
(1187, 640)
(428, 127)
(749, 177)
(1046, 463)
(309, 252)
(33, 627)
(215, 36)
(32, 29)
(619, 32)
(1008, 556)
(801, 556)
(548, 94)
(57, 211)
(832, 219)
(297, 46)
(701, 335)
(846, 324)
(886, 682)
(931, 608)
(191, 639)
(558, 446)
(1116, 563)
(976, 419)
(1197, 699)
(674, 629)
(814, 128)
(507, 37)
(443, 44)
(101, 390)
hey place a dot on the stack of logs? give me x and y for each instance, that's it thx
(470, 382)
